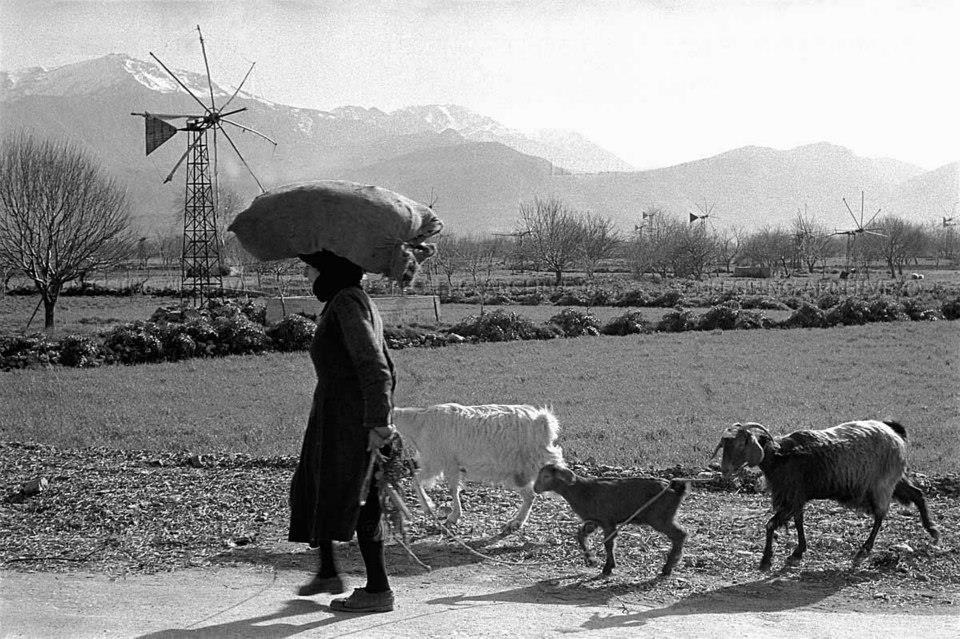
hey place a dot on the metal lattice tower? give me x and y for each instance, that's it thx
(200, 266)
(200, 279)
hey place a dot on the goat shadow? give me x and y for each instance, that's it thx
(770, 594)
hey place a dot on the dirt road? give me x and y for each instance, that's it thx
(460, 601)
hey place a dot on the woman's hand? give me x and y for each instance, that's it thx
(380, 436)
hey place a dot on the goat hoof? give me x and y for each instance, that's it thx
(935, 535)
(606, 572)
(764, 566)
(591, 562)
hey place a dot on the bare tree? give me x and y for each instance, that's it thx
(901, 241)
(810, 241)
(600, 241)
(60, 216)
(480, 257)
(555, 232)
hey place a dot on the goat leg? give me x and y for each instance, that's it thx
(801, 548)
(519, 519)
(609, 544)
(779, 519)
(677, 536)
(589, 558)
(868, 544)
(905, 492)
(452, 475)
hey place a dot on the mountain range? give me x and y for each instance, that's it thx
(475, 169)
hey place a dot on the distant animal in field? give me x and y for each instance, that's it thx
(496, 443)
(858, 464)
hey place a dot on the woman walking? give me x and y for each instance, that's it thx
(350, 416)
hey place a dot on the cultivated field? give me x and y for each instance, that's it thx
(650, 400)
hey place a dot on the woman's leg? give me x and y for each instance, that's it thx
(370, 541)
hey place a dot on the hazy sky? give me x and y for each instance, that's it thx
(656, 82)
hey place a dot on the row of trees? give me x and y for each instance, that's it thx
(554, 237)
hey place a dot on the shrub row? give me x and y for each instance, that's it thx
(232, 328)
(171, 334)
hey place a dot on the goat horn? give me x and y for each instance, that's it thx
(751, 425)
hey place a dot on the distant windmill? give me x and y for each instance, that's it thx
(706, 213)
(949, 221)
(200, 260)
(646, 221)
(859, 230)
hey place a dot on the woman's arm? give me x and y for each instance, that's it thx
(365, 349)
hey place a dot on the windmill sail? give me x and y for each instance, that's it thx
(157, 132)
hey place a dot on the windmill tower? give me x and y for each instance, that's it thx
(200, 274)
(855, 236)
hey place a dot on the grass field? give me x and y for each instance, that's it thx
(652, 400)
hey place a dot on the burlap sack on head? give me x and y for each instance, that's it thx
(381, 231)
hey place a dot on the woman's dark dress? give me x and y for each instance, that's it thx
(355, 382)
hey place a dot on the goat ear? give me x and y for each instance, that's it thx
(753, 451)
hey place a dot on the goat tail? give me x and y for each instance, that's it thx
(898, 428)
(679, 486)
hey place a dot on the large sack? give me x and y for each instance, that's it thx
(381, 231)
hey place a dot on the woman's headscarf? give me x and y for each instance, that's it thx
(336, 273)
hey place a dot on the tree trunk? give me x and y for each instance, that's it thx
(558, 277)
(48, 306)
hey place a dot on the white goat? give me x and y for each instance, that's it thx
(500, 444)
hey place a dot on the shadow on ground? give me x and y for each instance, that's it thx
(434, 553)
(771, 594)
(260, 625)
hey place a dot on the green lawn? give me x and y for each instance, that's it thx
(652, 400)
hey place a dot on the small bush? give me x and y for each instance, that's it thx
(293, 333)
(722, 317)
(135, 343)
(635, 297)
(532, 299)
(572, 298)
(669, 299)
(851, 311)
(177, 344)
(886, 309)
(677, 321)
(574, 323)
(805, 316)
(238, 335)
(630, 323)
(24, 351)
(80, 351)
(497, 326)
(951, 309)
(204, 336)
(917, 312)
(747, 320)
(762, 302)
(827, 301)
(600, 297)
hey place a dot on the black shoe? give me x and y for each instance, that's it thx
(363, 601)
(332, 585)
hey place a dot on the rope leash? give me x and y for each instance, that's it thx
(457, 539)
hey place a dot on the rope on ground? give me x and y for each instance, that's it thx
(453, 536)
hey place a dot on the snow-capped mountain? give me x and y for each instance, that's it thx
(478, 169)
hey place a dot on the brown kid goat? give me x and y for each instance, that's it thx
(606, 503)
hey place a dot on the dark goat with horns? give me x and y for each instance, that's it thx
(858, 464)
